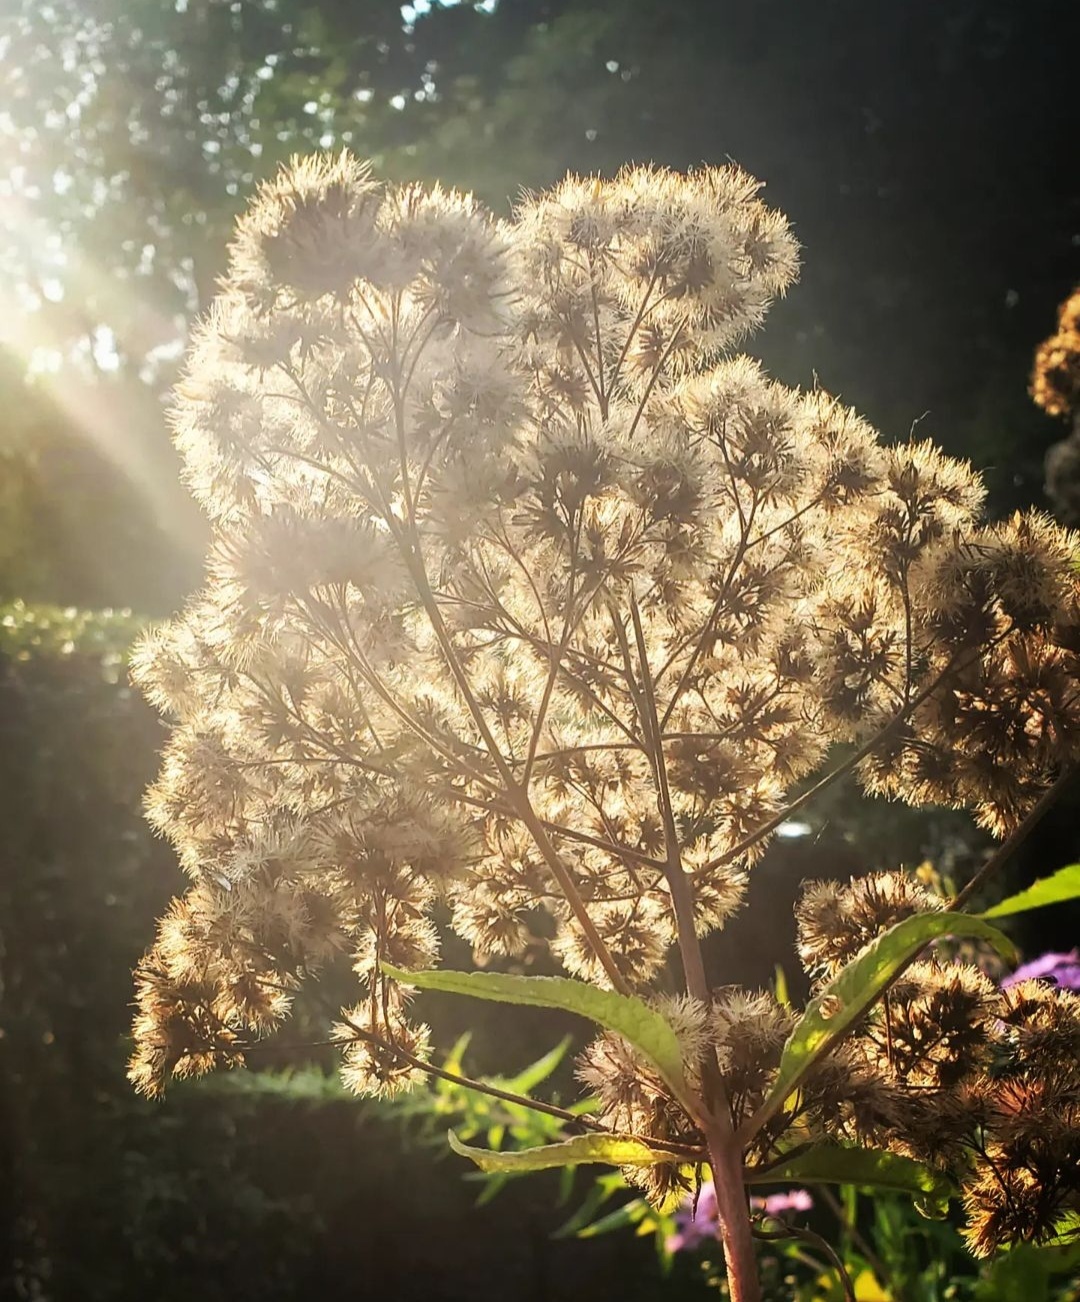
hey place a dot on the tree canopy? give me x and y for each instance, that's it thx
(918, 148)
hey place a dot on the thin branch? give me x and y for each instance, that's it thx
(565, 752)
(681, 897)
(757, 1174)
(514, 629)
(555, 658)
(467, 1082)
(847, 765)
(687, 1152)
(430, 1069)
(643, 307)
(599, 342)
(515, 794)
(612, 847)
(676, 336)
(1006, 848)
(816, 1241)
(746, 524)
(850, 1227)
(378, 685)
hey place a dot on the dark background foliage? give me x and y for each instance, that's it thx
(925, 151)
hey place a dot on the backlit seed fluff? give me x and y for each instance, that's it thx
(527, 605)
(835, 921)
(1055, 381)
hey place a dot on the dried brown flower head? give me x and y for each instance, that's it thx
(1055, 381)
(836, 921)
(529, 602)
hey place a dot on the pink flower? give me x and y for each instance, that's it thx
(791, 1200)
(1062, 969)
(696, 1221)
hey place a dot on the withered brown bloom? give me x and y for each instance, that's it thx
(529, 603)
(1055, 381)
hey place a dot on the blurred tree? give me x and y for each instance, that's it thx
(919, 148)
(91, 510)
(135, 126)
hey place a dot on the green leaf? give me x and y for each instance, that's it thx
(1055, 889)
(631, 1213)
(1015, 1276)
(453, 1060)
(493, 1185)
(529, 1077)
(868, 1167)
(617, 1150)
(634, 1020)
(566, 1185)
(831, 1014)
(931, 1206)
(603, 1187)
(1025, 1272)
(780, 987)
(1066, 1232)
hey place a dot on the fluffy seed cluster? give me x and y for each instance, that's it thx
(951, 1069)
(529, 602)
(978, 1081)
(1055, 386)
(1055, 381)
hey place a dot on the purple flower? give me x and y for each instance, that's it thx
(695, 1221)
(1062, 969)
(791, 1200)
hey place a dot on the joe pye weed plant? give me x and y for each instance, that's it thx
(529, 599)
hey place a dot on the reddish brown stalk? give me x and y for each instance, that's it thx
(725, 1150)
(732, 1210)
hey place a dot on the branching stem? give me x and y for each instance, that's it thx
(1006, 848)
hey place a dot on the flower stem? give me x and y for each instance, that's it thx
(733, 1212)
(1006, 848)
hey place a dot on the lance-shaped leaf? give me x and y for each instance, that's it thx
(634, 1212)
(830, 1015)
(603, 1187)
(615, 1150)
(867, 1167)
(635, 1021)
(1066, 1234)
(1055, 889)
(535, 1073)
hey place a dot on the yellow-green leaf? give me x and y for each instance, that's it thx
(829, 1016)
(636, 1212)
(635, 1021)
(1055, 889)
(1066, 1231)
(615, 1150)
(866, 1167)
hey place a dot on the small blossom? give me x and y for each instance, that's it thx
(1062, 970)
(780, 1204)
(695, 1221)
(1055, 383)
